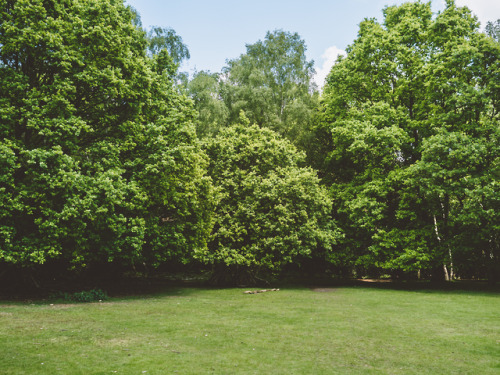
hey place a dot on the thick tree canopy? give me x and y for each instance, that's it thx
(411, 118)
(271, 211)
(104, 159)
(98, 157)
(205, 90)
(272, 84)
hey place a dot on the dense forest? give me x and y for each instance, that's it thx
(113, 160)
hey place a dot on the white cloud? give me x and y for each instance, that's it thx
(485, 10)
(329, 57)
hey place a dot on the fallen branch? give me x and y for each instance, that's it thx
(260, 291)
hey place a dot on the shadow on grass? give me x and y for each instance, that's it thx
(154, 287)
(122, 289)
(423, 286)
(453, 287)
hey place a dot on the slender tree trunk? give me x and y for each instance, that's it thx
(450, 257)
(436, 230)
(445, 206)
(446, 273)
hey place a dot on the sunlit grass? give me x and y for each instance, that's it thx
(292, 331)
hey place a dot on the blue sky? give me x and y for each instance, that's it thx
(217, 30)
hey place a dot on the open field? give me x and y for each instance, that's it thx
(350, 330)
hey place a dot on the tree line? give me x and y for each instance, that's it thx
(112, 156)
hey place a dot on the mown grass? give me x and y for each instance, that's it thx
(351, 330)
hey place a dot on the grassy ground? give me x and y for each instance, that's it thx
(350, 330)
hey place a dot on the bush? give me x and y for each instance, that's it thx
(85, 296)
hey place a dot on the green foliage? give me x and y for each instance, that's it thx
(272, 84)
(493, 30)
(169, 52)
(160, 38)
(412, 118)
(136, 17)
(205, 90)
(99, 158)
(94, 295)
(458, 178)
(165, 45)
(271, 211)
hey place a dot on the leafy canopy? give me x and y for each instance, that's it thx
(99, 159)
(272, 83)
(411, 118)
(271, 210)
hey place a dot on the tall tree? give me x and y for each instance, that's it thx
(272, 83)
(99, 161)
(493, 30)
(395, 106)
(205, 90)
(161, 38)
(165, 45)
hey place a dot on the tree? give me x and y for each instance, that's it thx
(99, 158)
(160, 38)
(493, 30)
(457, 177)
(272, 84)
(136, 17)
(205, 90)
(270, 211)
(165, 45)
(409, 91)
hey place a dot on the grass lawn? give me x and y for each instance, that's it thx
(350, 330)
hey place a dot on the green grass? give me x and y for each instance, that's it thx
(294, 331)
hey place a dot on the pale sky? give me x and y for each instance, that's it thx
(218, 30)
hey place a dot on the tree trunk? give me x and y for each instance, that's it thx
(447, 273)
(451, 275)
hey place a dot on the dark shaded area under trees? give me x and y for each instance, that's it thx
(112, 162)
